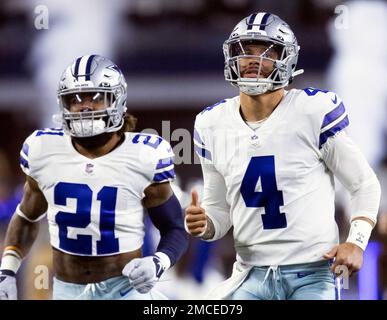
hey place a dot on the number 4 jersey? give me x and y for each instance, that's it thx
(273, 184)
(94, 205)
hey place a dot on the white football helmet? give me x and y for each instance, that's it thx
(91, 79)
(275, 36)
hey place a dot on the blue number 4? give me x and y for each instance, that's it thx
(82, 218)
(263, 169)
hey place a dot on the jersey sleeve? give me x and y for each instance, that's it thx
(349, 165)
(205, 129)
(214, 201)
(214, 194)
(202, 144)
(29, 154)
(164, 167)
(333, 117)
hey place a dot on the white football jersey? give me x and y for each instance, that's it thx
(271, 184)
(94, 205)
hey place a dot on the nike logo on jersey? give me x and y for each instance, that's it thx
(304, 274)
(334, 100)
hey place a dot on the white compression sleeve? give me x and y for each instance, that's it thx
(349, 165)
(214, 201)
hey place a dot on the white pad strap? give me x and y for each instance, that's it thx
(360, 233)
(21, 214)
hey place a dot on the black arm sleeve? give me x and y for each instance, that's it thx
(168, 218)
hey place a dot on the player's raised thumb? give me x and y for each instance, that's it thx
(331, 254)
(195, 198)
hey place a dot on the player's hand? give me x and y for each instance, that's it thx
(195, 217)
(143, 273)
(8, 289)
(346, 254)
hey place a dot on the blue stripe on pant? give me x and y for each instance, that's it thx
(311, 281)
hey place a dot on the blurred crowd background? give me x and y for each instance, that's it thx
(171, 54)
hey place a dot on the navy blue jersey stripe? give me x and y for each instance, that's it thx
(41, 133)
(163, 163)
(88, 67)
(264, 21)
(332, 131)
(26, 149)
(24, 162)
(164, 175)
(197, 137)
(204, 153)
(213, 106)
(333, 115)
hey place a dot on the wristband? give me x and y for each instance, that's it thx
(360, 233)
(11, 260)
(164, 259)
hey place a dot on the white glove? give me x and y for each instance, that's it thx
(143, 273)
(8, 289)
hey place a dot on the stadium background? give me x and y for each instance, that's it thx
(171, 54)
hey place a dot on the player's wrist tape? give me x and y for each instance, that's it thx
(12, 259)
(360, 233)
(162, 263)
(164, 259)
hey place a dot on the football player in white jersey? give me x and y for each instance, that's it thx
(269, 157)
(93, 179)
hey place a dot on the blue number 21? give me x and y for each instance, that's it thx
(270, 197)
(82, 218)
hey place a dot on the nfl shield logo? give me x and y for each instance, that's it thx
(89, 168)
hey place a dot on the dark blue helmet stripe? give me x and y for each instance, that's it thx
(88, 67)
(264, 21)
(250, 23)
(76, 68)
